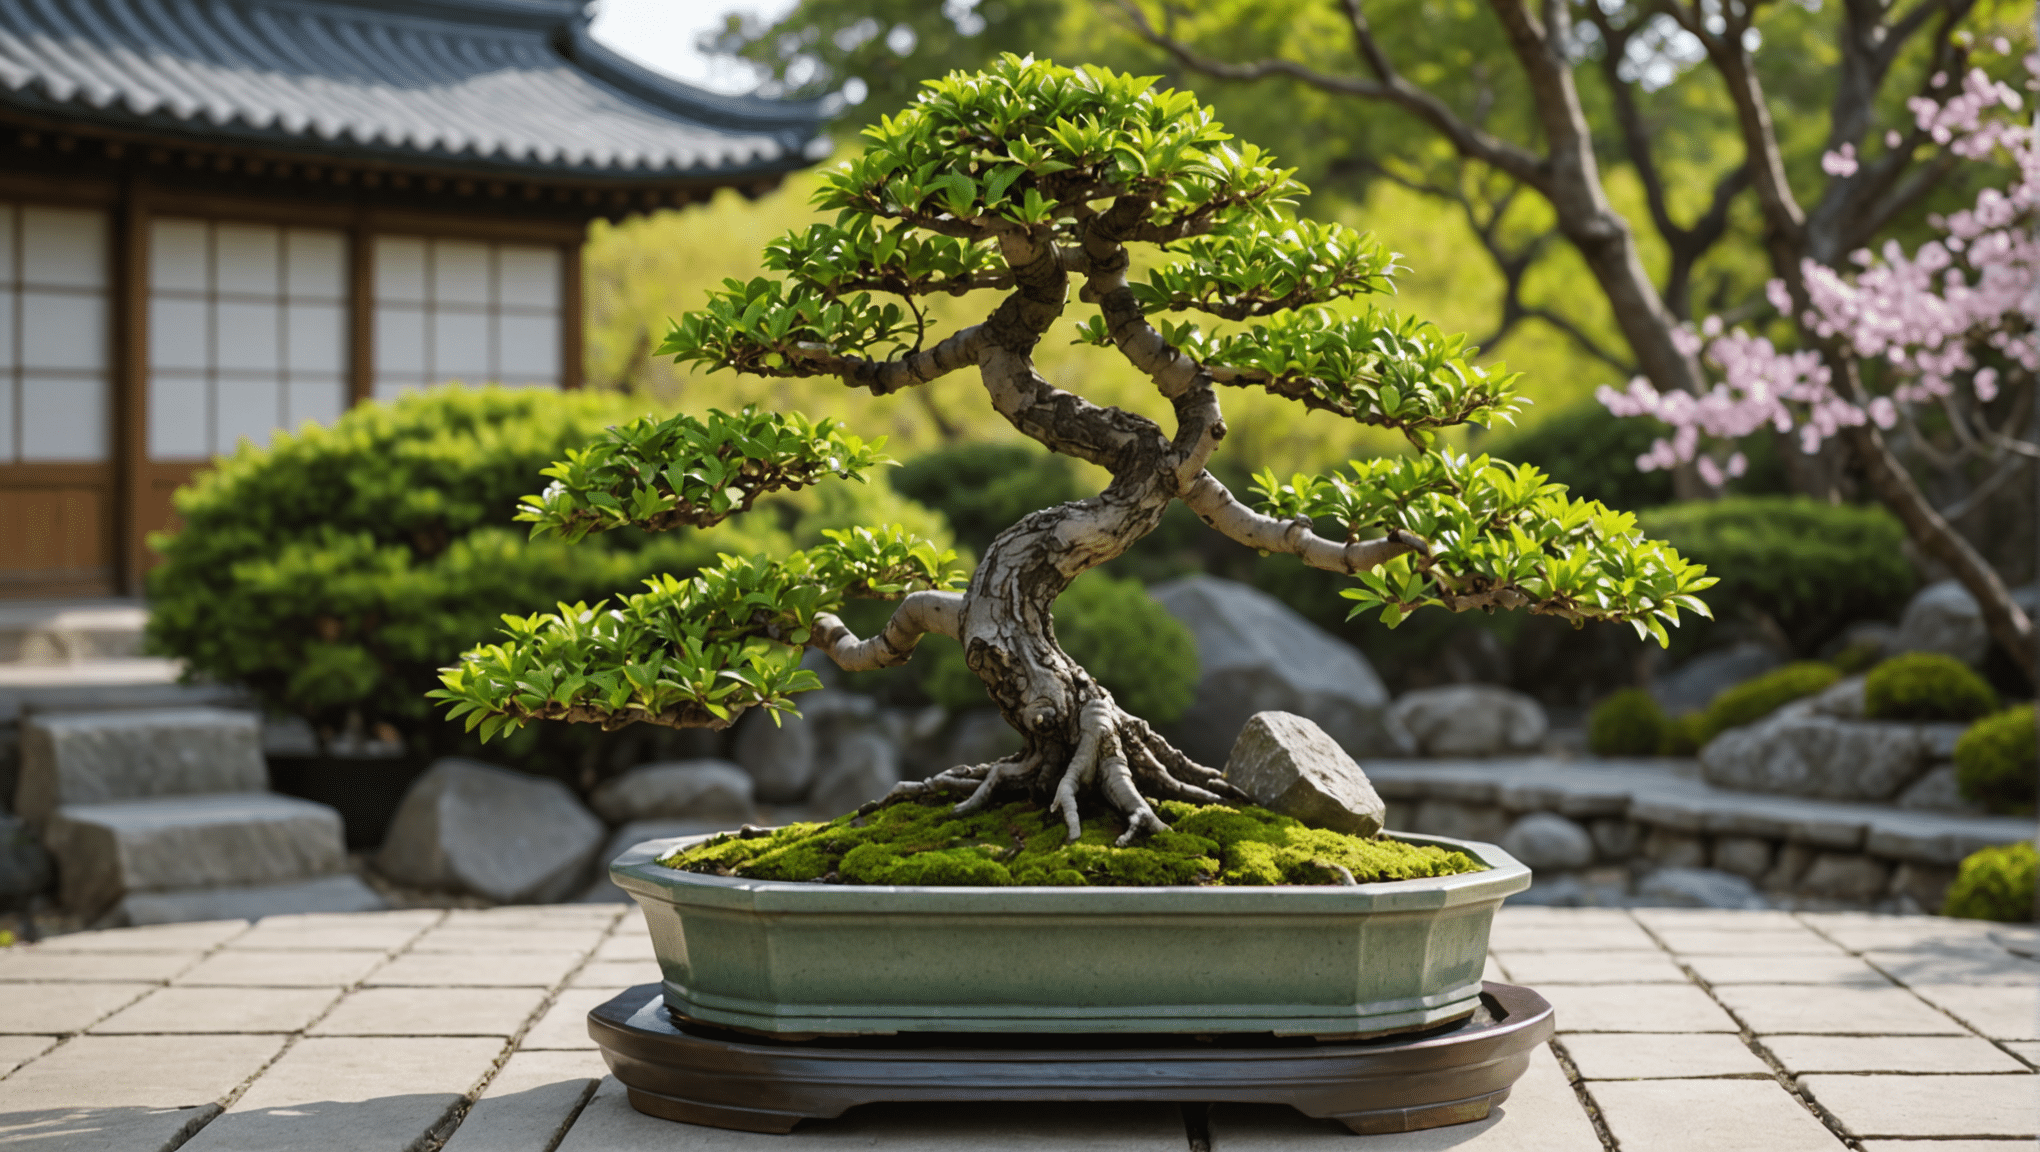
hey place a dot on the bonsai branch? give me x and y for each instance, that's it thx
(918, 614)
(1218, 507)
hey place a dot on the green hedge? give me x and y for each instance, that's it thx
(1926, 686)
(1994, 884)
(1997, 761)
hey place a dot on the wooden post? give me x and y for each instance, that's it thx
(360, 311)
(129, 304)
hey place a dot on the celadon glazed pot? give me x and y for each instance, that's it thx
(802, 959)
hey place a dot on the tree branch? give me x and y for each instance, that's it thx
(1216, 506)
(918, 614)
(883, 377)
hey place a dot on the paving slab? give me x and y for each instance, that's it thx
(1759, 942)
(495, 941)
(198, 937)
(1864, 932)
(138, 1072)
(496, 970)
(1930, 1106)
(2001, 1012)
(1635, 1008)
(535, 916)
(1661, 1055)
(1541, 1115)
(1946, 1145)
(58, 1008)
(1736, 919)
(431, 1012)
(616, 974)
(2028, 1050)
(1914, 1054)
(1776, 1008)
(1596, 936)
(125, 1129)
(529, 1102)
(379, 932)
(1541, 968)
(1798, 968)
(1709, 1116)
(352, 1093)
(34, 963)
(18, 1050)
(610, 1124)
(1981, 965)
(627, 944)
(565, 1024)
(246, 968)
(222, 1010)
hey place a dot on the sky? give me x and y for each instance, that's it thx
(660, 34)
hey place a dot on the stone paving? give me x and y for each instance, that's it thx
(463, 1030)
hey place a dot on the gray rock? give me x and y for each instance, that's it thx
(695, 789)
(1698, 888)
(341, 893)
(864, 766)
(1926, 885)
(1793, 862)
(1471, 720)
(1548, 840)
(102, 757)
(979, 736)
(1614, 839)
(1693, 685)
(1255, 654)
(105, 851)
(1843, 699)
(1846, 876)
(24, 866)
(1938, 791)
(503, 835)
(1944, 617)
(1745, 856)
(602, 890)
(1572, 890)
(1674, 850)
(1460, 821)
(1289, 765)
(1799, 752)
(779, 758)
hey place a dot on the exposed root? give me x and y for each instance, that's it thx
(998, 772)
(948, 780)
(1095, 727)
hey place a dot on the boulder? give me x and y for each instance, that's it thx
(1471, 720)
(503, 835)
(1255, 654)
(1692, 686)
(339, 893)
(1289, 765)
(1481, 822)
(863, 767)
(24, 866)
(1943, 617)
(1675, 850)
(784, 758)
(106, 851)
(1746, 856)
(1548, 840)
(1798, 751)
(715, 790)
(1924, 885)
(1938, 791)
(1614, 837)
(602, 890)
(1846, 876)
(104, 757)
(1698, 888)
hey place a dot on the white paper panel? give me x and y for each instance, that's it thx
(177, 333)
(399, 342)
(7, 454)
(460, 272)
(320, 401)
(387, 389)
(63, 419)
(6, 329)
(246, 259)
(177, 255)
(248, 337)
(178, 418)
(245, 408)
(8, 272)
(63, 330)
(315, 267)
(315, 338)
(63, 246)
(399, 269)
(528, 348)
(460, 347)
(528, 276)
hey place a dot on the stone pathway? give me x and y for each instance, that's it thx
(463, 1030)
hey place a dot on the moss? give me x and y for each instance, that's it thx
(1994, 761)
(1629, 723)
(1752, 700)
(1994, 884)
(1020, 843)
(1926, 686)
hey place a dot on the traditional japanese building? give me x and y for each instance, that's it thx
(219, 218)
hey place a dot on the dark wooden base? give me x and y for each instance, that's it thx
(702, 1075)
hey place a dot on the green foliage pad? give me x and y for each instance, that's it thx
(1994, 884)
(922, 843)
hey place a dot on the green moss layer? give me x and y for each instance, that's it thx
(1022, 844)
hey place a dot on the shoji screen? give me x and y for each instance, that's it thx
(465, 310)
(53, 335)
(247, 333)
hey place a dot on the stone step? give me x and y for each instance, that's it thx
(344, 892)
(108, 757)
(70, 631)
(107, 851)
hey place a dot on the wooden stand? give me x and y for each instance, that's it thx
(684, 1071)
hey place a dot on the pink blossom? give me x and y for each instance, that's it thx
(1838, 163)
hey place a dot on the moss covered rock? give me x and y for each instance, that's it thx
(1926, 686)
(1994, 884)
(1752, 700)
(1995, 761)
(1023, 844)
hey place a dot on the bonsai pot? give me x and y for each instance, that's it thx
(800, 960)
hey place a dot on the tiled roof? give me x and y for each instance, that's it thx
(516, 86)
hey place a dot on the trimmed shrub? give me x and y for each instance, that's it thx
(1145, 657)
(1629, 723)
(1812, 568)
(1998, 759)
(1926, 686)
(1994, 884)
(1752, 700)
(1683, 735)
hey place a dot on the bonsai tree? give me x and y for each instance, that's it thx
(1026, 182)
